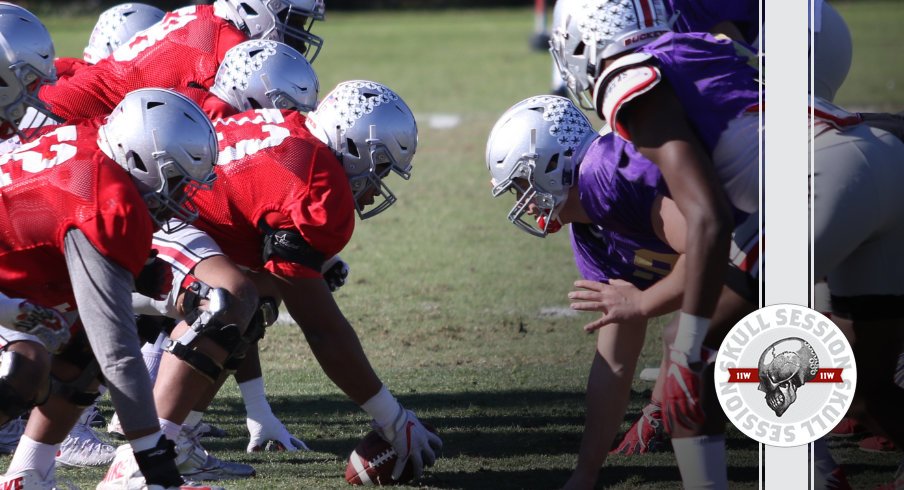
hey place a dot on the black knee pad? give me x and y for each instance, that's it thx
(12, 402)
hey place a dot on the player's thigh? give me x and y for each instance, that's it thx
(858, 211)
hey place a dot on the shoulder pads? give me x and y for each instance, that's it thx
(627, 78)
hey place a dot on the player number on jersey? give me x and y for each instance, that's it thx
(40, 154)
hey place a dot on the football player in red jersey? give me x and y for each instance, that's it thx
(254, 74)
(287, 204)
(81, 255)
(182, 50)
(114, 27)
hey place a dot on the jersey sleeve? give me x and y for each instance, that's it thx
(90, 92)
(122, 230)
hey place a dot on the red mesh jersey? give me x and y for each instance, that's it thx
(186, 46)
(271, 166)
(55, 183)
(66, 67)
(213, 106)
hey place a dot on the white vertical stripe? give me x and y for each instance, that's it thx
(786, 193)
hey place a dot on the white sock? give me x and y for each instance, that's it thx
(144, 443)
(152, 354)
(170, 429)
(193, 419)
(34, 455)
(255, 397)
(690, 336)
(701, 460)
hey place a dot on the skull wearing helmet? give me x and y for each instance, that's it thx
(784, 367)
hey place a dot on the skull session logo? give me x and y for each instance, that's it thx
(785, 375)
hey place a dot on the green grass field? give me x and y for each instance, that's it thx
(465, 317)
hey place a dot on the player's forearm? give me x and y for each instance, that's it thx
(102, 294)
(667, 294)
(705, 263)
(342, 358)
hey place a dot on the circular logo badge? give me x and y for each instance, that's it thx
(785, 375)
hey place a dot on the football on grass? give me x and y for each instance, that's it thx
(372, 462)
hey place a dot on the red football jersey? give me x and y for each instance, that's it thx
(51, 185)
(213, 106)
(270, 166)
(185, 47)
(66, 67)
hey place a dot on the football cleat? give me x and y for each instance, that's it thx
(681, 398)
(82, 448)
(203, 429)
(124, 474)
(31, 480)
(646, 435)
(195, 463)
(94, 418)
(10, 433)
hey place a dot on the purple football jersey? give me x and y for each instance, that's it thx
(703, 15)
(714, 81)
(617, 189)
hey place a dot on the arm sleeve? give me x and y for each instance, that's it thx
(103, 296)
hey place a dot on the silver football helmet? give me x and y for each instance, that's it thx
(168, 146)
(532, 151)
(262, 74)
(116, 25)
(26, 63)
(288, 21)
(590, 31)
(371, 131)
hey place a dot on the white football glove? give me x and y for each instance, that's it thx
(335, 272)
(411, 440)
(46, 324)
(266, 428)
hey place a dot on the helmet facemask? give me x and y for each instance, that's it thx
(532, 151)
(295, 26)
(380, 163)
(521, 181)
(170, 202)
(30, 79)
(169, 148)
(371, 131)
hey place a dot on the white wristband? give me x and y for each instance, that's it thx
(690, 335)
(383, 407)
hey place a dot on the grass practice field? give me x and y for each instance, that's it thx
(465, 317)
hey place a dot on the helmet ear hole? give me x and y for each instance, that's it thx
(254, 103)
(553, 163)
(352, 148)
(137, 162)
(248, 10)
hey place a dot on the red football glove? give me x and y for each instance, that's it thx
(683, 387)
(646, 435)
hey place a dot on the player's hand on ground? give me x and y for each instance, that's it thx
(335, 272)
(682, 406)
(411, 440)
(619, 301)
(44, 323)
(268, 433)
(645, 435)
